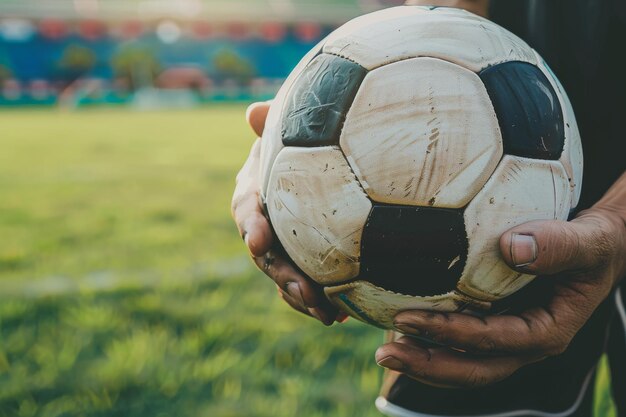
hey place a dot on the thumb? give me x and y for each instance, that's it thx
(553, 246)
(257, 233)
(256, 116)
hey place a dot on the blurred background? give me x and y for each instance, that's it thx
(124, 287)
(157, 53)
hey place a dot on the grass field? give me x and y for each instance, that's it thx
(125, 290)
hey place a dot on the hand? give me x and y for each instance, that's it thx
(585, 258)
(297, 290)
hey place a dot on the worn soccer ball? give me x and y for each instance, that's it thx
(402, 147)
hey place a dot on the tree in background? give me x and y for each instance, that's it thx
(228, 65)
(136, 66)
(6, 69)
(5, 74)
(75, 62)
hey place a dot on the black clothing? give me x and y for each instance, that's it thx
(584, 42)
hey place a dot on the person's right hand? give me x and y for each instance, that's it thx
(299, 291)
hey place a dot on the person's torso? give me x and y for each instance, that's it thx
(584, 42)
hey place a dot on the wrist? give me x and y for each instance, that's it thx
(612, 208)
(618, 220)
(610, 245)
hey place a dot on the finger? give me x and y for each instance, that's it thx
(256, 231)
(553, 246)
(446, 368)
(246, 207)
(342, 317)
(253, 227)
(311, 312)
(308, 295)
(535, 332)
(256, 116)
(293, 303)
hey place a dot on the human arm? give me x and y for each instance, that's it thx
(585, 259)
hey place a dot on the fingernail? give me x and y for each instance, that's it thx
(315, 313)
(523, 250)
(391, 363)
(247, 226)
(319, 314)
(293, 289)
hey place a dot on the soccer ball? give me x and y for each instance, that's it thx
(402, 147)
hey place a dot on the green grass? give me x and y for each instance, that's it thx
(126, 290)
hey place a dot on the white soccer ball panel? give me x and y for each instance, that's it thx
(385, 16)
(271, 142)
(422, 132)
(374, 305)
(318, 210)
(405, 32)
(572, 157)
(520, 190)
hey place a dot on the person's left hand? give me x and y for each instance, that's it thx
(589, 256)
(298, 290)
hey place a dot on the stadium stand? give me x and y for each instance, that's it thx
(104, 51)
